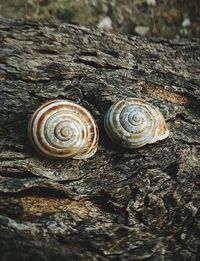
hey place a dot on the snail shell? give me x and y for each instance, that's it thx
(133, 123)
(62, 129)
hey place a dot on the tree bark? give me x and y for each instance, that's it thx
(140, 204)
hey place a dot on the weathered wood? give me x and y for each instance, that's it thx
(120, 204)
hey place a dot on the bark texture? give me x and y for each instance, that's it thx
(119, 205)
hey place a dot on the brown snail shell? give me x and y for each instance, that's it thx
(133, 123)
(62, 129)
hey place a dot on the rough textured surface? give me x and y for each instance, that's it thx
(120, 204)
(159, 18)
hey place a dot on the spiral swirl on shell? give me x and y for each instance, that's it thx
(62, 129)
(133, 123)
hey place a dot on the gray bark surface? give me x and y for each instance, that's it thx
(120, 204)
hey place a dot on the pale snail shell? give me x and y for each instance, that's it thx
(133, 123)
(62, 129)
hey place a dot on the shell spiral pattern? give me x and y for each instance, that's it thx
(133, 123)
(62, 129)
